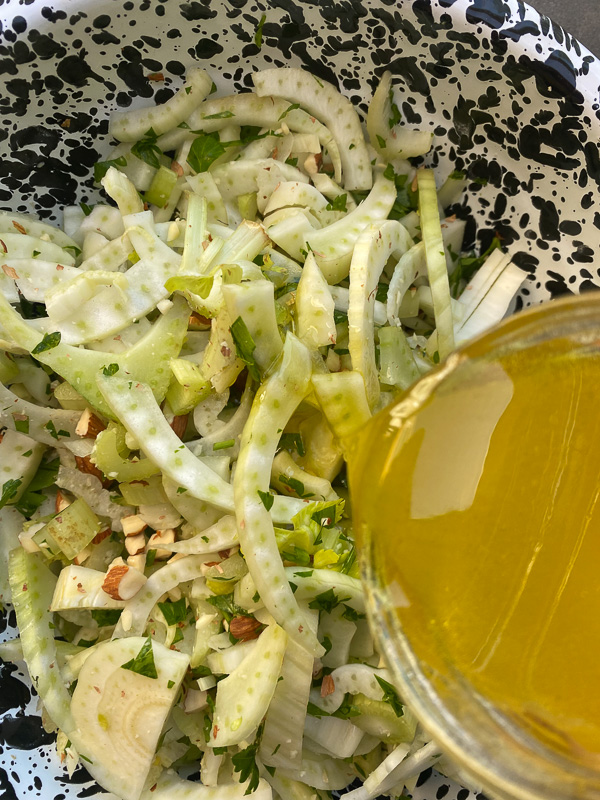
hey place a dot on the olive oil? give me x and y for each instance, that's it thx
(479, 495)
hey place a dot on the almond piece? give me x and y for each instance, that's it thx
(61, 502)
(135, 544)
(133, 524)
(84, 464)
(137, 562)
(327, 686)
(245, 628)
(179, 424)
(161, 537)
(89, 425)
(100, 537)
(122, 582)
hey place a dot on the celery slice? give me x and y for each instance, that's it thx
(272, 409)
(244, 696)
(129, 126)
(146, 361)
(32, 587)
(69, 532)
(325, 102)
(435, 254)
(195, 236)
(374, 247)
(161, 187)
(111, 463)
(333, 245)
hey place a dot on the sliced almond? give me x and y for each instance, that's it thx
(84, 464)
(89, 425)
(137, 562)
(100, 537)
(81, 557)
(245, 628)
(133, 524)
(61, 502)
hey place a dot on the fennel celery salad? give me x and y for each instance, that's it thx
(180, 370)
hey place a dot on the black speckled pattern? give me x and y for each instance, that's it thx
(511, 96)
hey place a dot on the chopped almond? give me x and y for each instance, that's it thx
(133, 524)
(137, 562)
(122, 582)
(177, 169)
(81, 557)
(312, 163)
(100, 537)
(61, 502)
(179, 424)
(135, 544)
(327, 686)
(19, 227)
(84, 464)
(245, 628)
(89, 425)
(10, 271)
(161, 537)
(197, 322)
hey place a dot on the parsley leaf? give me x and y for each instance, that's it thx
(106, 616)
(295, 485)
(267, 499)
(9, 490)
(49, 341)
(174, 612)
(143, 663)
(244, 762)
(326, 601)
(338, 204)
(221, 115)
(102, 167)
(396, 115)
(147, 150)
(294, 441)
(468, 265)
(245, 346)
(259, 30)
(21, 423)
(204, 150)
(111, 369)
(293, 107)
(390, 695)
(225, 605)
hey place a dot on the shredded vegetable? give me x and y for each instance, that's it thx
(177, 396)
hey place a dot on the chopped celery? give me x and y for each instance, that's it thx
(161, 187)
(144, 491)
(110, 462)
(69, 532)
(69, 398)
(343, 400)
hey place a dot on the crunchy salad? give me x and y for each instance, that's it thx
(181, 367)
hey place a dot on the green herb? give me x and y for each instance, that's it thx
(349, 561)
(296, 555)
(351, 614)
(267, 499)
(150, 556)
(436, 357)
(27, 453)
(270, 770)
(396, 115)
(276, 749)
(69, 247)
(326, 516)
(293, 162)
(9, 490)
(286, 289)
(181, 489)
(200, 672)
(204, 150)
(178, 636)
(213, 88)
(351, 146)
(245, 346)
(306, 574)
(32, 499)
(49, 426)
(293, 107)
(85, 758)
(293, 441)
(244, 762)
(36, 253)
(341, 351)
(188, 89)
(326, 601)
(390, 695)
(225, 605)
(147, 150)
(102, 167)
(220, 115)
(206, 728)
(106, 616)
(224, 445)
(468, 265)
(174, 612)
(143, 663)
(327, 644)
(380, 141)
(110, 370)
(318, 81)
(347, 709)
(338, 204)
(22, 424)
(315, 711)
(339, 317)
(295, 485)
(259, 30)
(255, 597)
(184, 125)
(49, 341)
(87, 210)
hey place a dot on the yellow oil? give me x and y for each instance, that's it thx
(482, 507)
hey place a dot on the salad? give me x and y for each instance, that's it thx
(182, 369)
